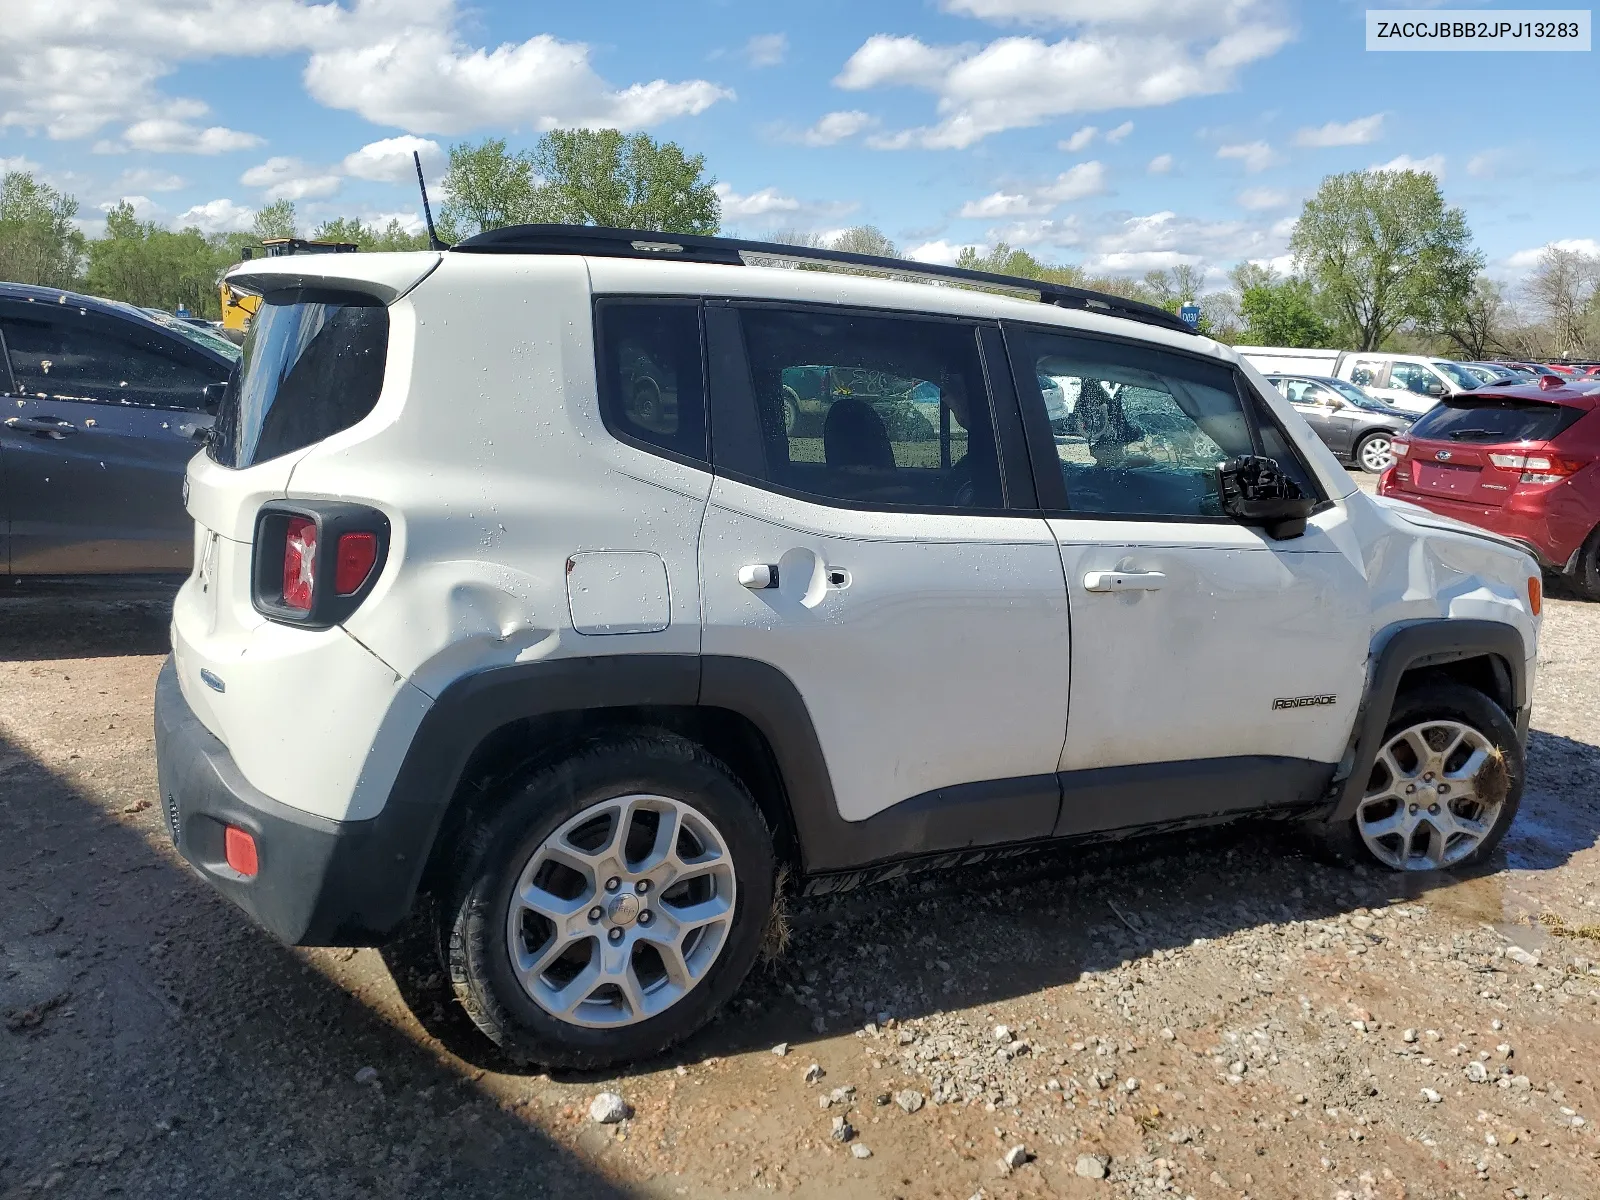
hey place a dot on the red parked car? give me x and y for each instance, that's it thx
(1521, 461)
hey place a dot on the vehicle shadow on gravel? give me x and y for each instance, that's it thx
(42, 623)
(156, 1043)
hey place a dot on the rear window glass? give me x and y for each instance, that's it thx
(1466, 420)
(310, 368)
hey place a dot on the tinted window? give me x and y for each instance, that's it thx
(884, 411)
(309, 369)
(1142, 431)
(1415, 377)
(1466, 420)
(652, 387)
(1367, 374)
(73, 355)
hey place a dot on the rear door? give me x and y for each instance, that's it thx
(1213, 667)
(1310, 400)
(102, 418)
(876, 541)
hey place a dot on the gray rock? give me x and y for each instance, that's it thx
(781, 1049)
(1092, 1166)
(367, 1075)
(1431, 1096)
(814, 1073)
(1518, 955)
(860, 1151)
(1015, 1157)
(911, 1100)
(1477, 1072)
(842, 1130)
(608, 1108)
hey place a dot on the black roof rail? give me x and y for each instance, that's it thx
(602, 242)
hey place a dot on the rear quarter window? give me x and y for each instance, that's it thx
(312, 366)
(1466, 419)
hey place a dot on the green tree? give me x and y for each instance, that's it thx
(1382, 249)
(146, 264)
(1283, 313)
(1004, 259)
(865, 239)
(392, 236)
(488, 187)
(39, 243)
(1475, 326)
(275, 220)
(629, 181)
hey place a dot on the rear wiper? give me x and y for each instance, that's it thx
(1461, 435)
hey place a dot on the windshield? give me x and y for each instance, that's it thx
(1355, 395)
(199, 335)
(1464, 419)
(308, 370)
(1456, 374)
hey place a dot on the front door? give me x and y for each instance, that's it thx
(1212, 666)
(859, 539)
(96, 431)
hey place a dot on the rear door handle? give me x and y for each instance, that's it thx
(50, 427)
(1124, 581)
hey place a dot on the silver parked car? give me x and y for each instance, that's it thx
(1351, 423)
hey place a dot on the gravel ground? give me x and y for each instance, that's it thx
(1212, 1015)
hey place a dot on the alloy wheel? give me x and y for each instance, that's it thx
(621, 911)
(1377, 454)
(1425, 806)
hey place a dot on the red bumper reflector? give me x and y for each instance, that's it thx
(240, 849)
(357, 553)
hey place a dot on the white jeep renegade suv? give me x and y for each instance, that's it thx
(586, 579)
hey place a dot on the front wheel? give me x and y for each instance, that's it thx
(1375, 453)
(1444, 788)
(610, 905)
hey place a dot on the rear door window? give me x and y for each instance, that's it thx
(1368, 373)
(1466, 420)
(312, 366)
(73, 355)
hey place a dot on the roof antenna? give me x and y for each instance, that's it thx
(433, 237)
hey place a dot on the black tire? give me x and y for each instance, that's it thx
(1585, 574)
(494, 848)
(1357, 455)
(1447, 700)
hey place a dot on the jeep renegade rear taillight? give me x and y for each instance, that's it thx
(316, 560)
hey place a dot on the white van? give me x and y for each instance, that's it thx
(1414, 382)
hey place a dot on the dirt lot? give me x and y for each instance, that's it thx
(1206, 1016)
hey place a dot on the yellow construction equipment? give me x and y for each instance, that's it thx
(237, 308)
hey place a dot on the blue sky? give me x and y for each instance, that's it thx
(1122, 134)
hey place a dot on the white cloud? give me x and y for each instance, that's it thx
(1078, 140)
(1063, 231)
(1524, 260)
(411, 222)
(19, 163)
(1432, 165)
(1161, 164)
(883, 59)
(1085, 179)
(216, 216)
(757, 204)
(145, 179)
(1134, 54)
(144, 208)
(1256, 156)
(941, 252)
(1165, 239)
(69, 69)
(1262, 199)
(1121, 131)
(766, 49)
(836, 127)
(163, 135)
(290, 179)
(1359, 132)
(389, 160)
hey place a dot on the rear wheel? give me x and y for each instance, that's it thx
(1585, 574)
(1444, 788)
(611, 905)
(1375, 452)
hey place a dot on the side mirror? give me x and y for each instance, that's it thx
(211, 396)
(1434, 388)
(1255, 491)
(1333, 402)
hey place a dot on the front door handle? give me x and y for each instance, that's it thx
(1124, 581)
(50, 427)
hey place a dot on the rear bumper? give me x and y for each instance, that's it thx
(1550, 542)
(318, 882)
